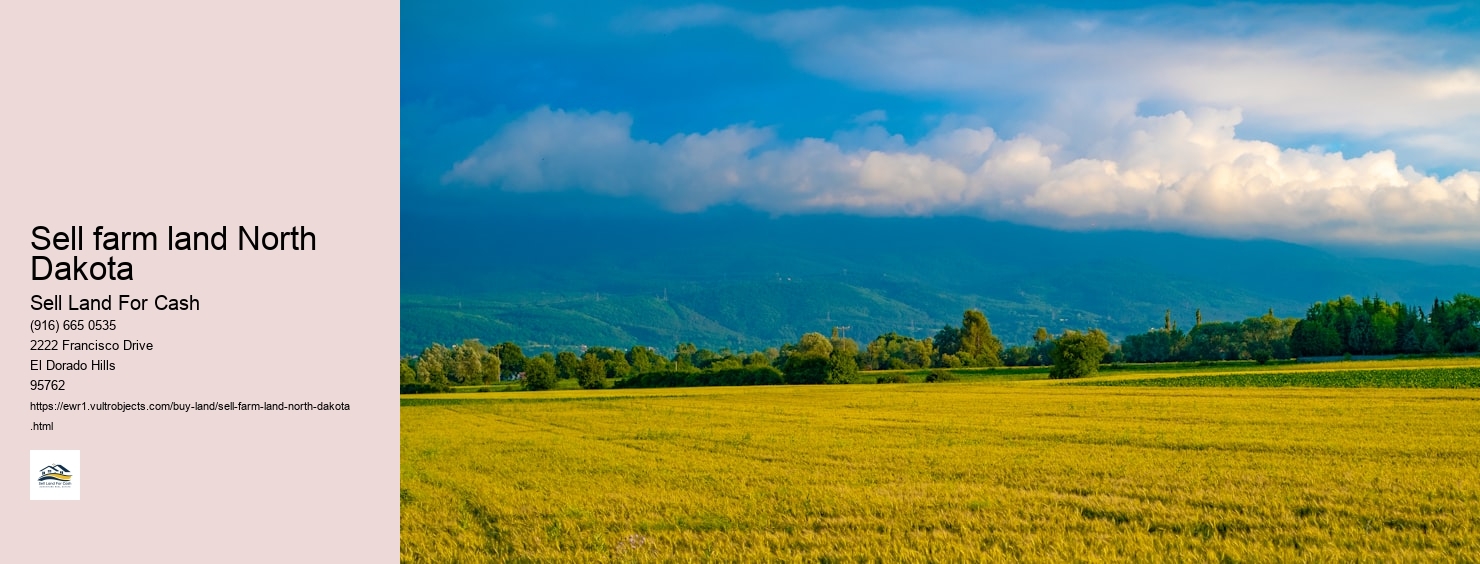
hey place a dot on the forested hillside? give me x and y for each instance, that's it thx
(746, 281)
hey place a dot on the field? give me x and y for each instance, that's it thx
(983, 469)
(1452, 377)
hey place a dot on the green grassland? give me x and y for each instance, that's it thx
(994, 467)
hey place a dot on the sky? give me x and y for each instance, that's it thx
(1338, 125)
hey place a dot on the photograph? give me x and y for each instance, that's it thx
(955, 282)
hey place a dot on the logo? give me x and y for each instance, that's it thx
(55, 473)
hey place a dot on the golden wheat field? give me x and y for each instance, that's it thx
(961, 471)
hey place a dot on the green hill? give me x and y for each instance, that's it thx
(747, 281)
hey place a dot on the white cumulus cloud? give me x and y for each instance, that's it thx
(1185, 172)
(1370, 72)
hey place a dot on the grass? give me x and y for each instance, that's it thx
(982, 469)
(998, 374)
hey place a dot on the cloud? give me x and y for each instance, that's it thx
(555, 150)
(673, 19)
(1361, 71)
(1185, 172)
(871, 116)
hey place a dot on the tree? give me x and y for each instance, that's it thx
(591, 372)
(1036, 354)
(810, 359)
(431, 366)
(919, 352)
(977, 339)
(565, 365)
(510, 357)
(1464, 312)
(1311, 338)
(614, 361)
(1431, 344)
(894, 351)
(1465, 340)
(1411, 342)
(467, 361)
(1021, 355)
(683, 357)
(805, 369)
(757, 358)
(842, 362)
(705, 357)
(1265, 336)
(947, 341)
(492, 367)
(408, 374)
(1218, 341)
(1362, 338)
(1384, 332)
(1076, 355)
(814, 343)
(643, 359)
(539, 374)
(878, 354)
(725, 362)
(1041, 336)
(1156, 345)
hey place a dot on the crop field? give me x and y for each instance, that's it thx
(981, 469)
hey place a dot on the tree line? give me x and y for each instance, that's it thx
(1374, 326)
(1257, 338)
(1342, 326)
(812, 359)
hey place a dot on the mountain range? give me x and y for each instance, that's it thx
(744, 280)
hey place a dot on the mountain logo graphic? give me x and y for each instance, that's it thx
(55, 473)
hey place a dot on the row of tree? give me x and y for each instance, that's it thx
(1338, 327)
(813, 359)
(472, 363)
(1258, 338)
(970, 345)
(1374, 326)
(1342, 326)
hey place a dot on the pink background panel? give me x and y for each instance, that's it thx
(150, 114)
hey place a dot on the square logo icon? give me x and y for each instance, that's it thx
(56, 475)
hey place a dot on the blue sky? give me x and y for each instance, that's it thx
(1322, 124)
